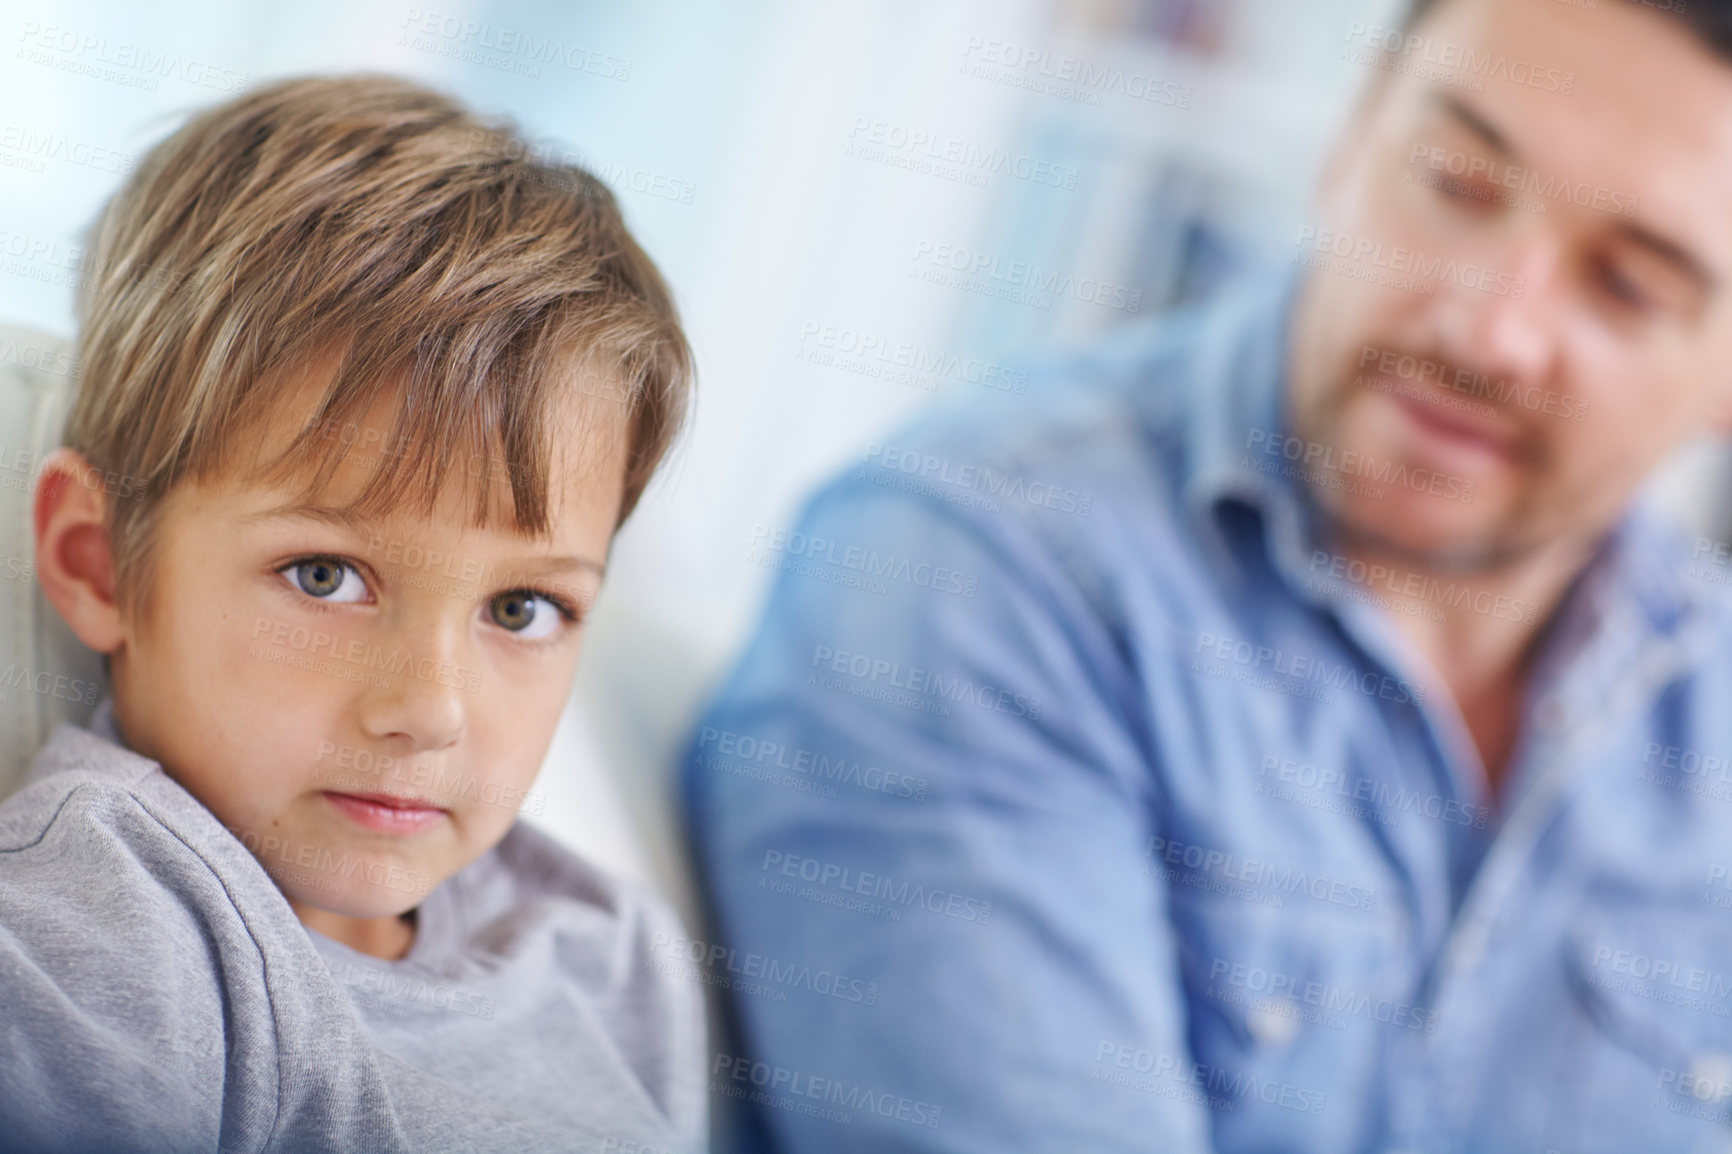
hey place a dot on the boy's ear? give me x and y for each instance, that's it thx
(73, 563)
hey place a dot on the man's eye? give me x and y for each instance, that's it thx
(324, 578)
(528, 615)
(1622, 288)
(1466, 195)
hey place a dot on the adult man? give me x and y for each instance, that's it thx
(1343, 770)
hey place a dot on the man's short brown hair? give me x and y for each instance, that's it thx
(369, 219)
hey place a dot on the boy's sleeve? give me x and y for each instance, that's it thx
(113, 1035)
(137, 1007)
(922, 807)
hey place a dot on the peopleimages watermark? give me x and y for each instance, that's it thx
(1662, 980)
(807, 1094)
(316, 865)
(468, 39)
(396, 992)
(1321, 464)
(20, 469)
(759, 975)
(832, 884)
(1318, 788)
(1301, 669)
(1425, 57)
(1330, 1004)
(1701, 1094)
(40, 259)
(746, 755)
(1510, 179)
(359, 765)
(308, 644)
(1412, 587)
(44, 683)
(1424, 373)
(1279, 881)
(613, 1144)
(120, 62)
(54, 360)
(413, 560)
(550, 152)
(26, 148)
(1410, 270)
(1225, 1088)
(48, 261)
(852, 565)
(900, 362)
(1016, 281)
(924, 683)
(1066, 77)
(969, 483)
(932, 153)
(1687, 770)
(1717, 569)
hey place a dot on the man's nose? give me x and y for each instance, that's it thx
(1508, 326)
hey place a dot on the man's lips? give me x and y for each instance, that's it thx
(386, 812)
(1456, 430)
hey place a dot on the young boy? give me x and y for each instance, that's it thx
(383, 387)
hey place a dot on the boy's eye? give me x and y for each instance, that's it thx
(519, 613)
(524, 613)
(322, 577)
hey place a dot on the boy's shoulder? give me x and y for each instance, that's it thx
(529, 880)
(86, 798)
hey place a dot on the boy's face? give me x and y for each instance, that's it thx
(364, 706)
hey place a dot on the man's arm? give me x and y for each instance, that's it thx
(931, 789)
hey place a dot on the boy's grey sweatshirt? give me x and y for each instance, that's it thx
(157, 992)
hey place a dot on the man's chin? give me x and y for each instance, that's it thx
(1423, 534)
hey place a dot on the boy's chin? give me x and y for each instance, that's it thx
(397, 891)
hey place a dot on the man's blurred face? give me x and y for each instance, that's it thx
(1521, 305)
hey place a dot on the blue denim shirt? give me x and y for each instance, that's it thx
(1064, 802)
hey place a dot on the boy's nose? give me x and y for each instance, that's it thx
(419, 693)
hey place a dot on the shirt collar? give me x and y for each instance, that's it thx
(1237, 404)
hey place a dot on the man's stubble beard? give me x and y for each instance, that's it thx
(1501, 546)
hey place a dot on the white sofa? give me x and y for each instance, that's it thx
(42, 660)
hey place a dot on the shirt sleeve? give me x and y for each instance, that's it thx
(113, 1035)
(140, 1011)
(925, 781)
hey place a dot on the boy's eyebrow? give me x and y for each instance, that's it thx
(359, 525)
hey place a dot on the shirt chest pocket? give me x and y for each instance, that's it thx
(1289, 1009)
(1657, 983)
(1270, 975)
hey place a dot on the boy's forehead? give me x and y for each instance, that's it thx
(587, 429)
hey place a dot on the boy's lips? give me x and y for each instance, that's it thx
(386, 812)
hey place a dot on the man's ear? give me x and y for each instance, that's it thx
(73, 563)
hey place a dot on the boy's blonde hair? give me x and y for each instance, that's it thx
(372, 219)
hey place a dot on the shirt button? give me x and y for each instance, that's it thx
(1273, 1024)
